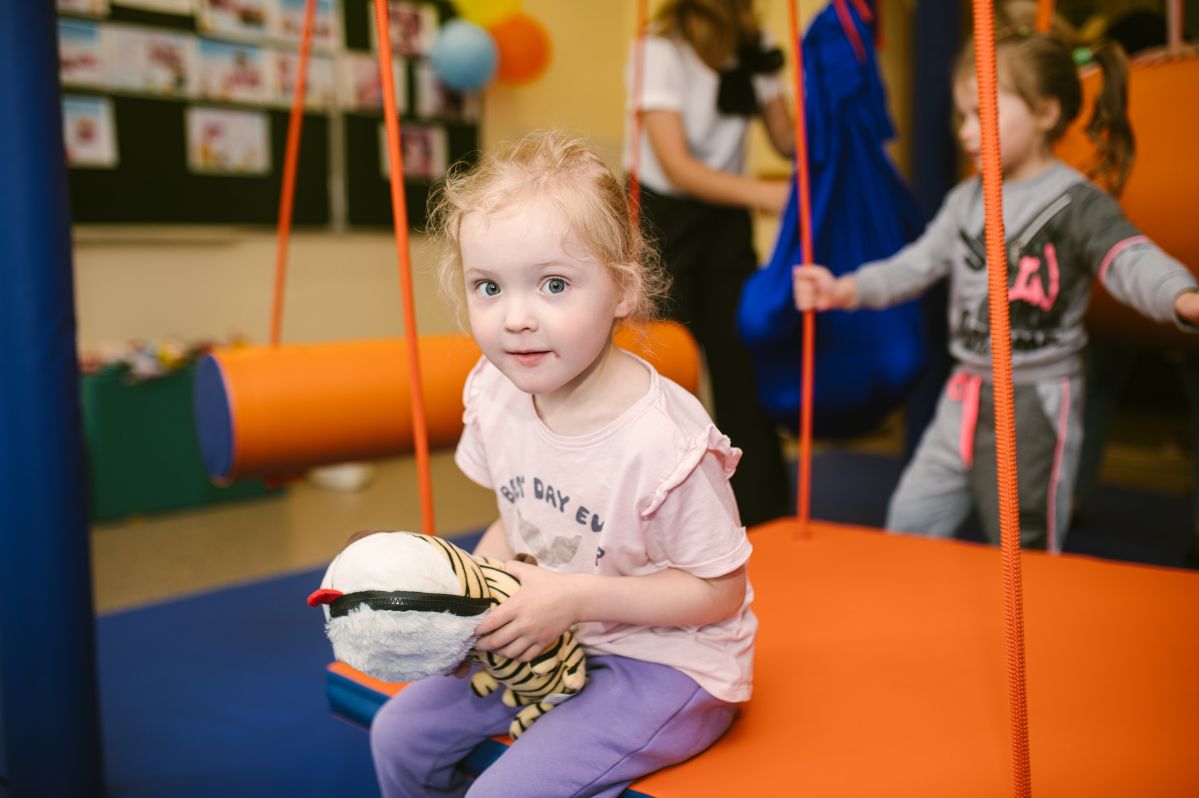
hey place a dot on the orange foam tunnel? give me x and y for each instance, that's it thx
(1163, 187)
(266, 410)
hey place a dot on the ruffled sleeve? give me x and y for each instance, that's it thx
(471, 454)
(693, 520)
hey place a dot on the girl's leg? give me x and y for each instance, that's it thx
(933, 494)
(419, 737)
(1048, 449)
(633, 718)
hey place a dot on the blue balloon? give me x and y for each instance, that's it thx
(464, 56)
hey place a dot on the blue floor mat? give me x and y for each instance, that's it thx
(224, 694)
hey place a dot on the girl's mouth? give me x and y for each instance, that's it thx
(528, 358)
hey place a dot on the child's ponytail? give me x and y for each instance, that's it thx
(1109, 126)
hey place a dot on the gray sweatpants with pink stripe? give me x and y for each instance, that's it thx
(953, 469)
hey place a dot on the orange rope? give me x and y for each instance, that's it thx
(287, 194)
(1044, 18)
(635, 120)
(399, 211)
(1001, 367)
(804, 210)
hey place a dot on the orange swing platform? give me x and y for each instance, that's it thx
(880, 671)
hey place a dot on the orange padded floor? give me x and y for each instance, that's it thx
(881, 671)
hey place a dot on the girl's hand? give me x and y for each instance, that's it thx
(524, 625)
(1187, 307)
(815, 288)
(772, 196)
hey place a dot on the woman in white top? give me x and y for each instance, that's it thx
(707, 72)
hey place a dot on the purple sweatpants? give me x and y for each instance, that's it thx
(633, 718)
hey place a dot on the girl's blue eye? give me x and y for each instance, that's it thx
(555, 285)
(487, 288)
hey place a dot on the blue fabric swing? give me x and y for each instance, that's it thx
(867, 360)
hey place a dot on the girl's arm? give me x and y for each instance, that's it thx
(1133, 269)
(494, 543)
(669, 140)
(549, 603)
(779, 127)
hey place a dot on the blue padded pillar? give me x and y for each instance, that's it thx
(936, 37)
(49, 716)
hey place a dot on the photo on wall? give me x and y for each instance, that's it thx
(289, 23)
(80, 53)
(88, 132)
(361, 87)
(222, 141)
(151, 61)
(238, 18)
(435, 100)
(91, 8)
(181, 7)
(231, 72)
(318, 94)
(423, 149)
(414, 27)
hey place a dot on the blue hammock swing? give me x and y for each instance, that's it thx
(867, 360)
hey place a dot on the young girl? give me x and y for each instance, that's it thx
(1062, 232)
(612, 476)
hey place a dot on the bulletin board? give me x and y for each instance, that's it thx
(138, 137)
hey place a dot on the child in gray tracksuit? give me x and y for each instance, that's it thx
(1062, 232)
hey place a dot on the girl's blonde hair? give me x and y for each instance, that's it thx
(715, 29)
(1037, 66)
(563, 171)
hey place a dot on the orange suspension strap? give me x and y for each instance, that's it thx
(804, 210)
(288, 192)
(1001, 367)
(636, 113)
(399, 213)
(1044, 18)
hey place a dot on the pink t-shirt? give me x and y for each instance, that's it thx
(647, 491)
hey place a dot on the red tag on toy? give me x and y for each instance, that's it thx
(323, 596)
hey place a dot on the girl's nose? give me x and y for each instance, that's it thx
(518, 316)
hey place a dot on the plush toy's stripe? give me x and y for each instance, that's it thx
(465, 569)
(501, 583)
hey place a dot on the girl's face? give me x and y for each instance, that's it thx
(1024, 147)
(540, 307)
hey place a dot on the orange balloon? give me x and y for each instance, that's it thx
(524, 48)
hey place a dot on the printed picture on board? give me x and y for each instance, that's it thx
(435, 100)
(150, 61)
(289, 23)
(360, 86)
(88, 132)
(286, 67)
(91, 8)
(80, 54)
(231, 72)
(422, 147)
(240, 18)
(414, 27)
(227, 142)
(181, 7)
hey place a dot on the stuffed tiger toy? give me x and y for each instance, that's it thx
(401, 606)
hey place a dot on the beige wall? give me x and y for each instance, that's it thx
(214, 283)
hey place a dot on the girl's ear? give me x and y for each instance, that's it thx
(628, 300)
(1048, 112)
